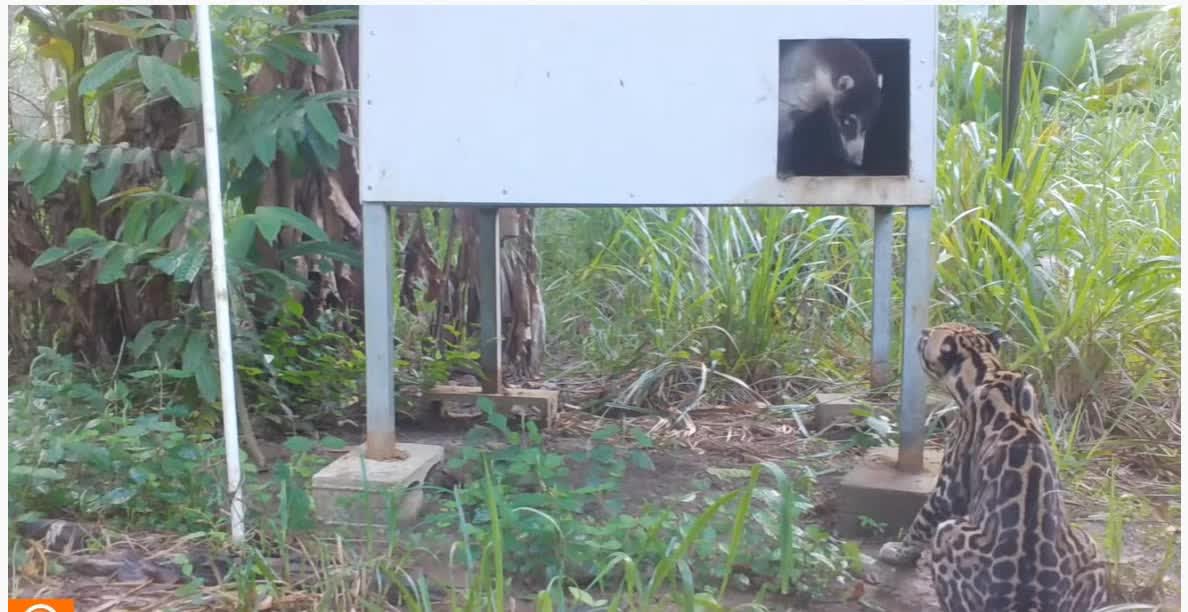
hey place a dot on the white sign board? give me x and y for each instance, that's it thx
(618, 105)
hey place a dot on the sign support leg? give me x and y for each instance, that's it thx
(378, 332)
(880, 362)
(490, 302)
(917, 287)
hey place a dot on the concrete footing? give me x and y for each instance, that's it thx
(834, 407)
(357, 492)
(876, 491)
(535, 404)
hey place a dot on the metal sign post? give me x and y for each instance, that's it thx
(218, 270)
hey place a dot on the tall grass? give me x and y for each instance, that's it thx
(645, 292)
(1075, 255)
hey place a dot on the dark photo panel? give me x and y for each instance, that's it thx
(844, 108)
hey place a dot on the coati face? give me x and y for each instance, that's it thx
(854, 109)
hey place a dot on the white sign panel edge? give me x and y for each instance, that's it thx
(609, 105)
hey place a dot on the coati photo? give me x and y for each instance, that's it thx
(843, 108)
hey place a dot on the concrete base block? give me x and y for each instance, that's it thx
(357, 492)
(834, 407)
(536, 404)
(877, 490)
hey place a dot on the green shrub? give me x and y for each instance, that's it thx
(303, 369)
(561, 520)
(78, 449)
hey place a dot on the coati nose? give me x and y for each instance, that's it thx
(854, 150)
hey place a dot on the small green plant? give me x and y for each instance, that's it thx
(303, 370)
(433, 362)
(874, 525)
(565, 528)
(539, 500)
(78, 447)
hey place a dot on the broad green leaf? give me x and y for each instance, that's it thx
(158, 75)
(100, 250)
(51, 255)
(165, 223)
(197, 349)
(229, 79)
(227, 75)
(240, 237)
(238, 152)
(333, 443)
(103, 71)
(275, 58)
(50, 180)
(291, 46)
(75, 159)
(175, 167)
(207, 379)
(114, 265)
(103, 181)
(223, 107)
(135, 222)
(36, 160)
(82, 238)
(183, 27)
(144, 339)
(1058, 34)
(322, 120)
(169, 262)
(264, 144)
(269, 225)
(17, 150)
(169, 344)
(291, 218)
(190, 266)
(326, 154)
(286, 143)
(300, 444)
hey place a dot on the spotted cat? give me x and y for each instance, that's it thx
(960, 357)
(1000, 535)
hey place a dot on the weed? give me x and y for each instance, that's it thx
(563, 527)
(79, 448)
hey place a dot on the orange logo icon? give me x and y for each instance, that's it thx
(41, 605)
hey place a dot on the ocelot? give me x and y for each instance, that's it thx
(996, 524)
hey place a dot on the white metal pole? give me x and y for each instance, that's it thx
(214, 198)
